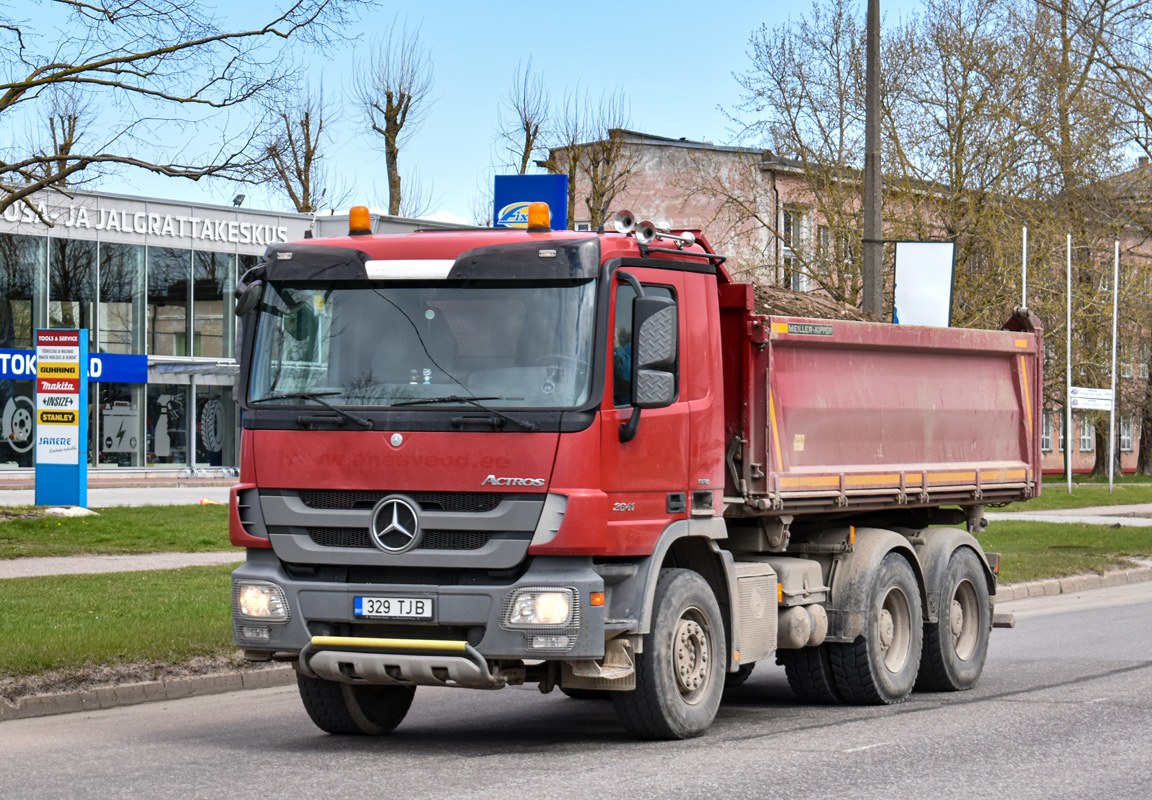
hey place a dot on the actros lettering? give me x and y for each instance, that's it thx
(492, 480)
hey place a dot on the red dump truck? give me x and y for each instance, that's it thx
(481, 458)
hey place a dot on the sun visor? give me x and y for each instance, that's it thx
(547, 259)
(314, 262)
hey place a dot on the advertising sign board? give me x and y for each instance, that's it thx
(512, 195)
(61, 418)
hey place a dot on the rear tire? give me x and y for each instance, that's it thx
(810, 675)
(956, 645)
(679, 676)
(354, 709)
(737, 678)
(880, 667)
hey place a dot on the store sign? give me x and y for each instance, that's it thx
(103, 367)
(61, 418)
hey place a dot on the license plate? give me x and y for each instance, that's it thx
(393, 607)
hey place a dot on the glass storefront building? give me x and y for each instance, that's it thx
(146, 278)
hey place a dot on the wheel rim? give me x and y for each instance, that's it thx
(895, 629)
(692, 656)
(965, 620)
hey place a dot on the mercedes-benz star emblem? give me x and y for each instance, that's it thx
(395, 524)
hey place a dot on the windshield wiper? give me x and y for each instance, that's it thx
(317, 397)
(459, 398)
(452, 398)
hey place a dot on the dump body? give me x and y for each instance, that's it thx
(824, 415)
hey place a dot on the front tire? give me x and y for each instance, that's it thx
(679, 676)
(956, 645)
(354, 709)
(880, 667)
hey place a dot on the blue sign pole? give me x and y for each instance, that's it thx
(61, 417)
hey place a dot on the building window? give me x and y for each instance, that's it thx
(121, 423)
(169, 270)
(121, 314)
(1126, 434)
(1063, 441)
(213, 302)
(167, 424)
(1126, 370)
(1087, 435)
(1046, 434)
(793, 225)
(72, 286)
(215, 426)
(1144, 358)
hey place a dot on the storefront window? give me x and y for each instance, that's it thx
(215, 427)
(167, 414)
(213, 279)
(121, 298)
(21, 288)
(121, 423)
(169, 272)
(72, 285)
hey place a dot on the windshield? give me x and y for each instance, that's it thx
(359, 345)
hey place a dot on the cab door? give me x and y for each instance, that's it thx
(646, 479)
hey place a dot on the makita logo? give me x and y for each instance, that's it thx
(56, 386)
(492, 480)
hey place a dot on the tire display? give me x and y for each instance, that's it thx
(880, 667)
(354, 709)
(679, 676)
(956, 645)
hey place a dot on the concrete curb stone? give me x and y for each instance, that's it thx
(131, 694)
(1072, 584)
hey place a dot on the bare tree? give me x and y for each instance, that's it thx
(156, 73)
(393, 88)
(523, 118)
(608, 161)
(295, 149)
(568, 141)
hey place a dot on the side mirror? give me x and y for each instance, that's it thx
(655, 351)
(247, 296)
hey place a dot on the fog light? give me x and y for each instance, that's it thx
(551, 642)
(551, 607)
(260, 600)
(251, 632)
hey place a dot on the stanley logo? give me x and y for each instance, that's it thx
(56, 417)
(57, 370)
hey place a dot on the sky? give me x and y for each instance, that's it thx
(673, 60)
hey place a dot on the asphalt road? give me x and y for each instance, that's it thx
(1064, 709)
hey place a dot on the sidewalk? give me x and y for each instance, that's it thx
(106, 497)
(1138, 515)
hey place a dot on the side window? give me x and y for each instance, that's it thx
(622, 339)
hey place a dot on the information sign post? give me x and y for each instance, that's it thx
(61, 418)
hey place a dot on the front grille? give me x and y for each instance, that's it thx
(468, 502)
(433, 539)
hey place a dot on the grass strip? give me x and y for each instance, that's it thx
(67, 622)
(116, 531)
(1035, 550)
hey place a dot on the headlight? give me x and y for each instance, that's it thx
(547, 607)
(260, 600)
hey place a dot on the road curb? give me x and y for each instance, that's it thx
(1071, 584)
(130, 694)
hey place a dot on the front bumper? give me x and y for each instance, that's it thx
(468, 631)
